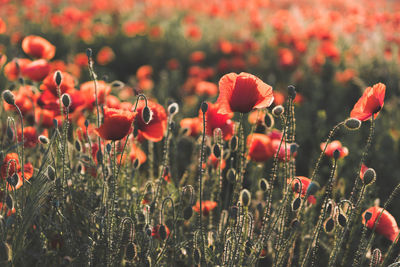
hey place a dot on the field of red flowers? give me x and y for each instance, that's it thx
(199, 133)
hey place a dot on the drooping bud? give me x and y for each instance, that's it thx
(376, 258)
(162, 231)
(9, 202)
(233, 144)
(367, 216)
(89, 52)
(329, 225)
(263, 184)
(173, 109)
(9, 97)
(342, 220)
(269, 120)
(130, 251)
(58, 78)
(43, 139)
(217, 151)
(187, 213)
(51, 173)
(245, 197)
(278, 110)
(231, 175)
(369, 176)
(296, 204)
(66, 100)
(147, 115)
(352, 124)
(78, 146)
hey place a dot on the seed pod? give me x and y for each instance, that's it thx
(278, 111)
(296, 204)
(263, 184)
(231, 175)
(369, 176)
(43, 139)
(10, 133)
(173, 109)
(66, 100)
(9, 97)
(9, 202)
(342, 220)
(204, 107)
(329, 225)
(217, 151)
(233, 144)
(147, 115)
(196, 256)
(130, 251)
(336, 154)
(187, 213)
(269, 120)
(292, 92)
(51, 173)
(367, 216)
(58, 78)
(245, 197)
(162, 231)
(352, 124)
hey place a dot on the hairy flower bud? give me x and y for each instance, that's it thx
(278, 110)
(9, 97)
(352, 124)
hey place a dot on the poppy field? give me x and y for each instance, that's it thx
(199, 133)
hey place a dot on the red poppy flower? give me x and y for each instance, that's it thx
(193, 126)
(38, 47)
(116, 125)
(24, 99)
(36, 70)
(11, 71)
(386, 226)
(88, 91)
(206, 207)
(281, 155)
(144, 72)
(30, 136)
(305, 182)
(243, 92)
(332, 146)
(286, 57)
(154, 130)
(214, 162)
(362, 171)
(371, 102)
(3, 26)
(260, 149)
(67, 83)
(105, 55)
(137, 153)
(215, 120)
(206, 88)
(11, 163)
(155, 231)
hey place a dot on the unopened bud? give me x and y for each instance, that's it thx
(9, 97)
(147, 115)
(263, 184)
(245, 197)
(173, 109)
(89, 52)
(278, 111)
(51, 173)
(43, 139)
(269, 120)
(369, 176)
(336, 154)
(58, 77)
(66, 100)
(291, 92)
(352, 124)
(204, 107)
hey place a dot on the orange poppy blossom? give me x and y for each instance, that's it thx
(387, 225)
(155, 231)
(30, 136)
(117, 124)
(242, 93)
(24, 99)
(13, 69)
(155, 129)
(335, 145)
(260, 148)
(305, 183)
(38, 47)
(137, 153)
(206, 88)
(3, 26)
(193, 126)
(87, 90)
(36, 70)
(49, 83)
(11, 163)
(370, 103)
(215, 120)
(206, 207)
(281, 155)
(105, 55)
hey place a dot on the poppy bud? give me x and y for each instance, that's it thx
(233, 144)
(117, 84)
(13, 180)
(136, 163)
(173, 109)
(342, 220)
(51, 173)
(55, 123)
(248, 246)
(108, 148)
(278, 111)
(263, 184)
(89, 52)
(295, 223)
(329, 225)
(9, 97)
(204, 107)
(269, 120)
(66, 100)
(86, 123)
(187, 213)
(352, 124)
(291, 92)
(10, 133)
(147, 114)
(231, 175)
(99, 156)
(369, 176)
(9, 202)
(131, 251)
(245, 197)
(43, 139)
(336, 154)
(58, 77)
(296, 204)
(217, 151)
(77, 146)
(162, 231)
(367, 216)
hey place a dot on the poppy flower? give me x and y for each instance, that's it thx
(105, 55)
(206, 207)
(242, 93)
(206, 88)
(24, 99)
(193, 126)
(155, 232)
(281, 155)
(3, 26)
(386, 226)
(30, 136)
(335, 145)
(362, 171)
(49, 83)
(13, 69)
(137, 153)
(11, 163)
(371, 102)
(116, 125)
(88, 91)
(260, 148)
(36, 70)
(144, 72)
(305, 182)
(38, 47)
(154, 130)
(215, 120)
(214, 162)
(256, 116)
